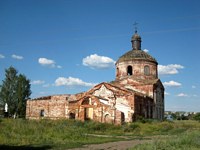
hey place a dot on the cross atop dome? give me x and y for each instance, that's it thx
(136, 39)
(135, 26)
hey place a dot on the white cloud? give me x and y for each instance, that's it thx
(146, 50)
(166, 93)
(59, 67)
(169, 69)
(172, 84)
(48, 62)
(70, 81)
(194, 87)
(17, 57)
(182, 95)
(98, 62)
(2, 56)
(37, 82)
(46, 85)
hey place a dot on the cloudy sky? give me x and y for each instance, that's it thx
(66, 46)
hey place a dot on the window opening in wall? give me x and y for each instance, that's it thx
(129, 70)
(85, 101)
(86, 113)
(72, 116)
(146, 70)
(42, 113)
(117, 72)
(122, 117)
(107, 119)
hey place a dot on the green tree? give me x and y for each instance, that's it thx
(22, 94)
(8, 89)
(174, 116)
(197, 117)
(14, 91)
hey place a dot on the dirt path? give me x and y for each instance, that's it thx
(128, 142)
(120, 145)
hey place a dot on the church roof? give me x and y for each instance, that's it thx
(136, 55)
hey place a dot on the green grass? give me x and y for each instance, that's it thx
(54, 133)
(63, 134)
(184, 141)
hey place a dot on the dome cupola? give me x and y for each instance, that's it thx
(136, 63)
(136, 41)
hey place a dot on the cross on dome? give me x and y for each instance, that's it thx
(135, 26)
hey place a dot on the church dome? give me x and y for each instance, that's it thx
(136, 63)
(136, 55)
(136, 36)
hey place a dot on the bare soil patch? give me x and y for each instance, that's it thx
(120, 145)
(128, 142)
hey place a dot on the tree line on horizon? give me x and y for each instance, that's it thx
(14, 91)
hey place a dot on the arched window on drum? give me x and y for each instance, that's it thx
(129, 70)
(146, 70)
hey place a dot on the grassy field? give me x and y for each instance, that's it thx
(63, 134)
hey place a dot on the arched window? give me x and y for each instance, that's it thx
(117, 74)
(146, 70)
(129, 70)
(107, 119)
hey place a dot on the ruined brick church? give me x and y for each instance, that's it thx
(136, 92)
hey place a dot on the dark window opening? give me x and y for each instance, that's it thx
(129, 70)
(86, 114)
(122, 118)
(146, 70)
(41, 113)
(117, 72)
(85, 101)
(72, 116)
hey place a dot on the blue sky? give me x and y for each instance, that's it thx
(67, 46)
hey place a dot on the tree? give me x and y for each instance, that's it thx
(14, 91)
(8, 89)
(22, 94)
(197, 117)
(174, 116)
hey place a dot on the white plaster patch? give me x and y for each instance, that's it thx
(121, 101)
(103, 92)
(104, 101)
(123, 108)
